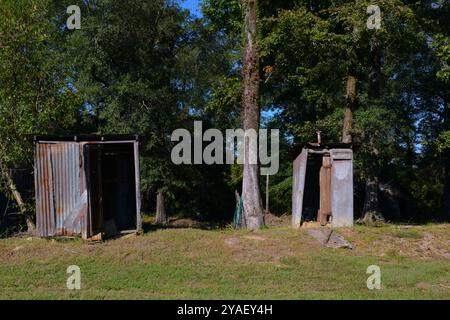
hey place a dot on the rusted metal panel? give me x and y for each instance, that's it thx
(342, 187)
(61, 197)
(325, 191)
(298, 186)
(45, 218)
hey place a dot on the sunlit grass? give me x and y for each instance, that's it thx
(275, 263)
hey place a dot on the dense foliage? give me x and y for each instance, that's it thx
(148, 67)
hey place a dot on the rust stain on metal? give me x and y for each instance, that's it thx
(61, 198)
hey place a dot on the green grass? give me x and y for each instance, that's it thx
(275, 263)
(409, 234)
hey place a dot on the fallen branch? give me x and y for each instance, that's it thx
(11, 186)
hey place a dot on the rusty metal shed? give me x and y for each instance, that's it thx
(322, 187)
(87, 185)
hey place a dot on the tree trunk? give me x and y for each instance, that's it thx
(446, 163)
(446, 194)
(161, 216)
(371, 213)
(251, 196)
(19, 200)
(371, 209)
(350, 97)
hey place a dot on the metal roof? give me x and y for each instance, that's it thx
(85, 138)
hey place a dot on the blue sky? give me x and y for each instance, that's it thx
(192, 5)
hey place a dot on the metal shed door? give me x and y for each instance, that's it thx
(298, 187)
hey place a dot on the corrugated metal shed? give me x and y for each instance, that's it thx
(66, 203)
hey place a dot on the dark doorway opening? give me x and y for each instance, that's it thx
(111, 188)
(317, 196)
(311, 199)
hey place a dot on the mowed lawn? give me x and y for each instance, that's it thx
(192, 263)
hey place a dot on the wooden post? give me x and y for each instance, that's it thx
(267, 194)
(161, 215)
(325, 191)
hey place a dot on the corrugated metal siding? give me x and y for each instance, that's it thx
(61, 196)
(45, 217)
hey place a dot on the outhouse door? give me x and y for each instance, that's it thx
(112, 175)
(298, 186)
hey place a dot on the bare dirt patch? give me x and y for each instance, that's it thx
(184, 223)
(277, 221)
(269, 247)
(257, 238)
(410, 242)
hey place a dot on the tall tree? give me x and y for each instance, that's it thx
(371, 209)
(128, 57)
(251, 196)
(435, 15)
(350, 105)
(35, 92)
